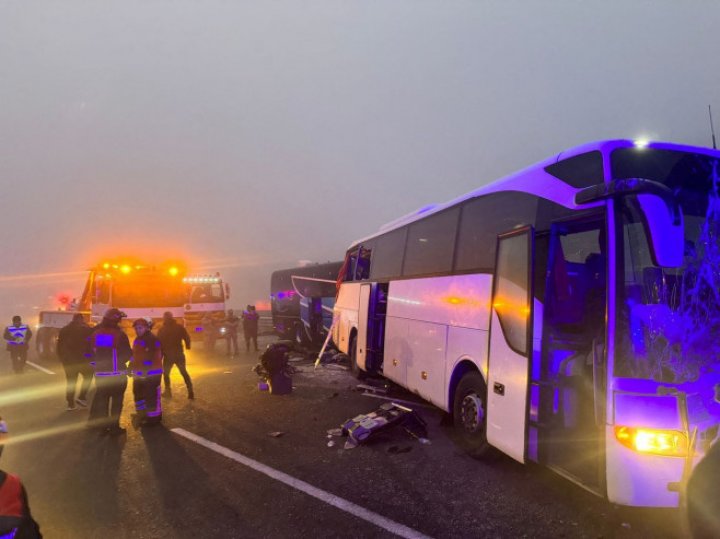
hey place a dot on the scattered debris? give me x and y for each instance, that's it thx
(274, 369)
(276, 434)
(335, 432)
(350, 444)
(330, 443)
(392, 414)
(626, 525)
(424, 441)
(374, 389)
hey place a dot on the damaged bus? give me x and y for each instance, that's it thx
(567, 314)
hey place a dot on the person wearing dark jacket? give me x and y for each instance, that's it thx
(172, 336)
(16, 521)
(250, 320)
(75, 350)
(111, 353)
(146, 368)
(232, 322)
(17, 336)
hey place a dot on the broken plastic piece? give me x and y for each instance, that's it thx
(276, 434)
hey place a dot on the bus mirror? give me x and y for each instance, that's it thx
(665, 229)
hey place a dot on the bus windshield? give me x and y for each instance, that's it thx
(141, 289)
(668, 319)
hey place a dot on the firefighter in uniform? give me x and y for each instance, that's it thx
(18, 336)
(15, 518)
(111, 353)
(146, 370)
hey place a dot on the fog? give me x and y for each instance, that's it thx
(246, 136)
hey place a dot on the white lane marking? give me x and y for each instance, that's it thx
(38, 367)
(342, 504)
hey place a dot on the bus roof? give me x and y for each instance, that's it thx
(534, 180)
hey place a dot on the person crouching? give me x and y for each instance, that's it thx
(146, 368)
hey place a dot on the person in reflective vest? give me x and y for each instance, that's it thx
(15, 518)
(110, 355)
(146, 370)
(17, 336)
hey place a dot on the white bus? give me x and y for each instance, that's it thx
(568, 314)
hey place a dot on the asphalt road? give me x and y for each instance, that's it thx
(158, 483)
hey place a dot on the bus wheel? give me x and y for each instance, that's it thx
(354, 368)
(469, 414)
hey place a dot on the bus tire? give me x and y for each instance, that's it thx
(354, 367)
(470, 415)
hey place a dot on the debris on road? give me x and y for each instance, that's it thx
(374, 389)
(362, 427)
(276, 434)
(335, 432)
(330, 443)
(274, 368)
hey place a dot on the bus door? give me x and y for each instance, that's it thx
(573, 352)
(510, 343)
(363, 316)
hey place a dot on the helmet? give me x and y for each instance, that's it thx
(147, 322)
(114, 315)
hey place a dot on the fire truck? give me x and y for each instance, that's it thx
(205, 307)
(139, 290)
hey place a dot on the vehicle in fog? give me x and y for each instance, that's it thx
(566, 314)
(301, 302)
(205, 307)
(140, 290)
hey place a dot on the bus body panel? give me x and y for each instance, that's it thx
(426, 364)
(347, 308)
(640, 480)
(507, 395)
(455, 300)
(362, 327)
(464, 344)
(397, 350)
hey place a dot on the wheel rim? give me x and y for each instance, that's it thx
(472, 413)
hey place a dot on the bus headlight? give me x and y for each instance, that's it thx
(669, 443)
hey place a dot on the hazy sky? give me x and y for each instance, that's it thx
(245, 136)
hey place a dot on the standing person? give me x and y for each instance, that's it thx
(16, 521)
(172, 335)
(232, 323)
(146, 368)
(210, 331)
(75, 350)
(250, 319)
(111, 353)
(18, 337)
